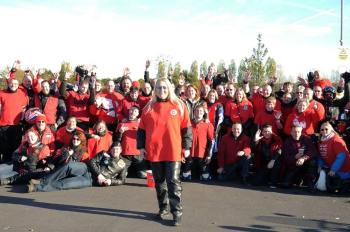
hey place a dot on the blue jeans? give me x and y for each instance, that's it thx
(69, 176)
(6, 170)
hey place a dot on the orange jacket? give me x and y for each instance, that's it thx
(103, 144)
(165, 129)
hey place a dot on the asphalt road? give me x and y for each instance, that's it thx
(207, 207)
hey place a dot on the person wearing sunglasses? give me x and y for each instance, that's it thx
(333, 157)
(164, 137)
(70, 171)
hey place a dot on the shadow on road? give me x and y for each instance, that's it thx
(290, 221)
(305, 224)
(138, 215)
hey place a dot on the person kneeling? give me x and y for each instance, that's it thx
(108, 168)
(234, 154)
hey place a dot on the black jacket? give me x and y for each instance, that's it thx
(110, 167)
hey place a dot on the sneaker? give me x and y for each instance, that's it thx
(186, 176)
(177, 221)
(205, 177)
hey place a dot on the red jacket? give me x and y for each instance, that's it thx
(44, 152)
(264, 117)
(110, 108)
(212, 108)
(64, 137)
(162, 124)
(77, 105)
(259, 103)
(127, 103)
(329, 149)
(224, 99)
(129, 145)
(49, 110)
(239, 112)
(103, 144)
(202, 132)
(145, 100)
(229, 147)
(47, 138)
(306, 120)
(320, 111)
(12, 106)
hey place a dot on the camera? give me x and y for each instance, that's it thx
(82, 71)
(346, 76)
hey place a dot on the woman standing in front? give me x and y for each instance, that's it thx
(165, 137)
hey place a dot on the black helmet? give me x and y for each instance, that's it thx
(329, 90)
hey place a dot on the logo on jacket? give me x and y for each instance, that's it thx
(173, 112)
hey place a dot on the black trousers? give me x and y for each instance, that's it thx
(196, 165)
(307, 172)
(263, 175)
(10, 139)
(241, 165)
(136, 161)
(166, 176)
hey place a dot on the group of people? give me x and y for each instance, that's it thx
(57, 135)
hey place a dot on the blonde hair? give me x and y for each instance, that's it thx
(329, 125)
(171, 96)
(240, 90)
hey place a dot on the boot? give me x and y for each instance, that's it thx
(177, 221)
(163, 213)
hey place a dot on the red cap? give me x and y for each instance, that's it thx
(136, 84)
(41, 117)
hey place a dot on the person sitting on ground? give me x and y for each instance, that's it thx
(101, 139)
(109, 169)
(70, 172)
(64, 134)
(29, 160)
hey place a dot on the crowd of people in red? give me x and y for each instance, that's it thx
(58, 135)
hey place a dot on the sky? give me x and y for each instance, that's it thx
(112, 34)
